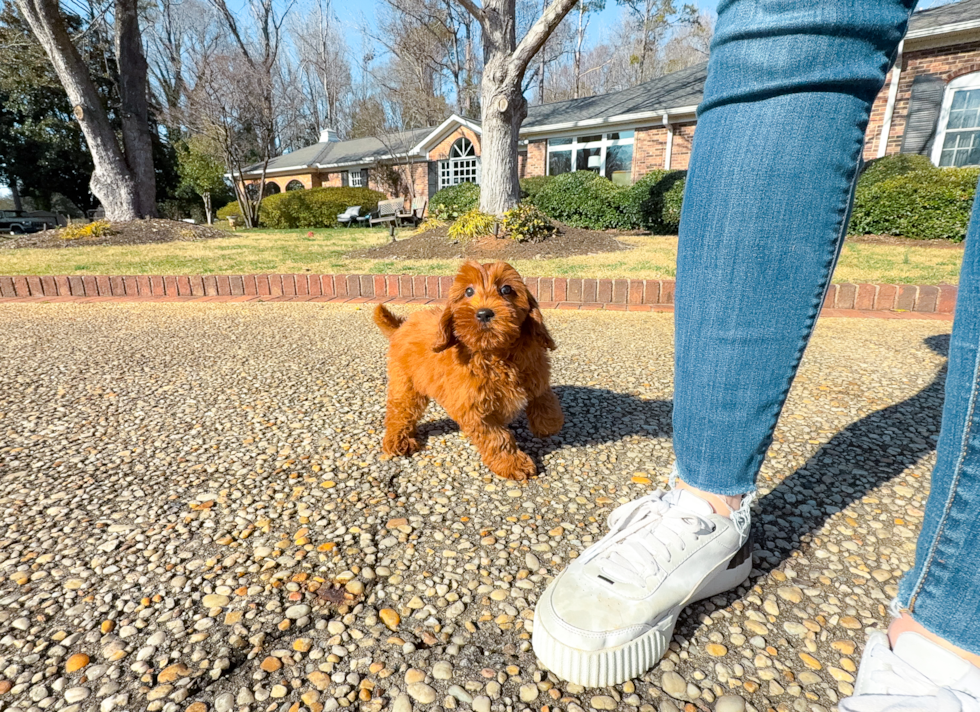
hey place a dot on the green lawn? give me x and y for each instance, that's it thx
(292, 251)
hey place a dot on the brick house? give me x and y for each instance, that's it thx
(930, 105)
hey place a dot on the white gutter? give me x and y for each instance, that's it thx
(618, 119)
(943, 29)
(670, 141)
(886, 126)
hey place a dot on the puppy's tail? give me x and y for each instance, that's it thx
(386, 321)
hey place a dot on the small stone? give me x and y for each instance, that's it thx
(390, 618)
(354, 588)
(422, 693)
(810, 661)
(5, 686)
(845, 647)
(298, 611)
(460, 694)
(76, 694)
(215, 600)
(730, 703)
(197, 707)
(603, 702)
(793, 594)
(76, 662)
(279, 691)
(414, 675)
(481, 704)
(716, 650)
(224, 702)
(173, 672)
(402, 703)
(674, 685)
(528, 693)
(271, 664)
(840, 675)
(442, 671)
(850, 622)
(319, 680)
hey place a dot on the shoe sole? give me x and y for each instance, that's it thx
(614, 666)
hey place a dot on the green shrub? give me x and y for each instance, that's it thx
(317, 207)
(229, 210)
(645, 203)
(472, 225)
(526, 223)
(449, 203)
(921, 205)
(531, 187)
(584, 199)
(881, 169)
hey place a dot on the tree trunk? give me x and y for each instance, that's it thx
(134, 109)
(112, 182)
(504, 109)
(207, 207)
(15, 192)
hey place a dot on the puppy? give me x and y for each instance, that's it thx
(483, 358)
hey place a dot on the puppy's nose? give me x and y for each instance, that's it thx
(485, 315)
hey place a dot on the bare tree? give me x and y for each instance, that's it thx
(585, 9)
(123, 179)
(321, 51)
(503, 104)
(656, 18)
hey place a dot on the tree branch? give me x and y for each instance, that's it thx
(476, 11)
(538, 34)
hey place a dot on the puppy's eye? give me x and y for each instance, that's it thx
(470, 292)
(506, 289)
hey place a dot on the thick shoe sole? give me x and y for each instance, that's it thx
(614, 666)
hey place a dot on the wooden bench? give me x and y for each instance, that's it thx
(417, 213)
(387, 213)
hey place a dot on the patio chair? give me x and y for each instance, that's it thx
(387, 214)
(348, 216)
(417, 213)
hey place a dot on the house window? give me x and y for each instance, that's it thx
(462, 166)
(958, 136)
(609, 155)
(294, 185)
(354, 179)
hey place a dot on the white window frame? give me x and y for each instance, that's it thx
(357, 179)
(456, 169)
(962, 83)
(604, 143)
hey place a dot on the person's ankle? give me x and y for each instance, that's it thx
(905, 623)
(723, 504)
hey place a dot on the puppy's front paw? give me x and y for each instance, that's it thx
(517, 467)
(404, 445)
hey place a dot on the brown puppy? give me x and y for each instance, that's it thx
(483, 358)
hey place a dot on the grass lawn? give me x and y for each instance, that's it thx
(292, 251)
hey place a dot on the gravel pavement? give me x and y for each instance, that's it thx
(195, 515)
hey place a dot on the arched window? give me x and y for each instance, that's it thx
(958, 133)
(294, 185)
(462, 166)
(271, 189)
(252, 191)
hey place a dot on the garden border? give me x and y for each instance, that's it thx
(919, 301)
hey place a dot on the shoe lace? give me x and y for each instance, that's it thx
(643, 535)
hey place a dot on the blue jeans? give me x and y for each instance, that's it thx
(769, 190)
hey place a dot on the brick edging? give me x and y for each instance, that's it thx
(587, 292)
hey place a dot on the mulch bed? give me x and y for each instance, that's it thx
(436, 244)
(136, 232)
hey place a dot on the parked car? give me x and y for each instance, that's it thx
(18, 222)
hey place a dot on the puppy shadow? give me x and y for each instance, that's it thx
(861, 457)
(592, 416)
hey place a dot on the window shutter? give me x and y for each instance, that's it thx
(433, 178)
(344, 179)
(925, 106)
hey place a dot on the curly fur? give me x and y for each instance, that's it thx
(482, 374)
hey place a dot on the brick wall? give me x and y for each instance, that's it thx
(680, 153)
(946, 62)
(536, 152)
(649, 146)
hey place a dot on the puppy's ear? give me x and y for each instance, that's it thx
(445, 336)
(534, 326)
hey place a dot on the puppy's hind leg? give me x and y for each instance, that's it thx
(544, 415)
(499, 451)
(404, 410)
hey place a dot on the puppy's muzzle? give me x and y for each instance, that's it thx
(484, 316)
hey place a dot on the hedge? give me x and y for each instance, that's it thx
(922, 205)
(532, 187)
(317, 207)
(454, 201)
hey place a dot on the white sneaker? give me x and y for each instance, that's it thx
(917, 676)
(610, 615)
